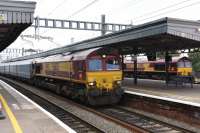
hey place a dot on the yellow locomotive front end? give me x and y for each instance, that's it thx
(104, 78)
(184, 67)
(105, 81)
(184, 70)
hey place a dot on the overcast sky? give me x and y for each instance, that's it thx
(116, 11)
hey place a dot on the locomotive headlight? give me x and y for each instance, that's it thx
(119, 82)
(91, 83)
(104, 56)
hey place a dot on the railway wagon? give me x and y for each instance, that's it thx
(179, 67)
(93, 76)
(20, 69)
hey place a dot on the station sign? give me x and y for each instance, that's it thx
(3, 17)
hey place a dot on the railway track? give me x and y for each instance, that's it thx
(68, 118)
(144, 124)
(129, 120)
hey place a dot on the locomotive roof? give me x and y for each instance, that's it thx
(53, 58)
(81, 55)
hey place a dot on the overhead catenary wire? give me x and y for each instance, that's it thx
(148, 17)
(169, 11)
(161, 9)
(58, 6)
(52, 11)
(77, 12)
(82, 9)
(128, 5)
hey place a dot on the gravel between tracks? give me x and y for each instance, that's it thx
(97, 121)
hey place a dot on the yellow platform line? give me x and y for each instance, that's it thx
(11, 116)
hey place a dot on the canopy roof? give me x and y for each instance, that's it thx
(160, 35)
(15, 16)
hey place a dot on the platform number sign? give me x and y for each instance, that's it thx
(3, 17)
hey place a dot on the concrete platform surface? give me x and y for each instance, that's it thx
(159, 88)
(27, 116)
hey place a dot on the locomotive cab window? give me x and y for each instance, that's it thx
(188, 64)
(95, 65)
(181, 64)
(112, 64)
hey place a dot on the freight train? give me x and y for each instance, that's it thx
(178, 67)
(94, 76)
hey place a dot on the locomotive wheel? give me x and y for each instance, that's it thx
(58, 89)
(84, 100)
(91, 101)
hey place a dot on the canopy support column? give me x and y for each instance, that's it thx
(122, 65)
(167, 67)
(135, 68)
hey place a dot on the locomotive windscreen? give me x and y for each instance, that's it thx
(112, 64)
(95, 65)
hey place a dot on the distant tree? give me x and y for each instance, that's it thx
(161, 54)
(195, 57)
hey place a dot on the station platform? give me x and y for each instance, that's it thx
(159, 88)
(24, 116)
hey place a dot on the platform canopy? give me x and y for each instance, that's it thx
(15, 16)
(160, 35)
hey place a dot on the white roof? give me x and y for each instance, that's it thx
(24, 62)
(144, 60)
(54, 58)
